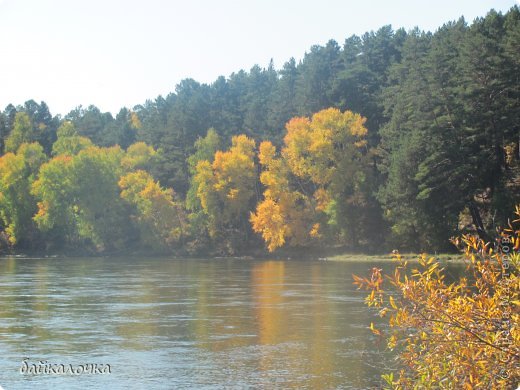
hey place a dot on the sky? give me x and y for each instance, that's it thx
(119, 53)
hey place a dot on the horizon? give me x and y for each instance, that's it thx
(116, 65)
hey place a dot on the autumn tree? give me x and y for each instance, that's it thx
(78, 199)
(205, 149)
(453, 334)
(68, 141)
(22, 132)
(322, 177)
(226, 189)
(139, 156)
(17, 205)
(159, 218)
(103, 199)
(285, 215)
(442, 115)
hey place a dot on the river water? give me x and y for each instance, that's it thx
(179, 323)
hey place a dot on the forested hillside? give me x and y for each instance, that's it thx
(280, 158)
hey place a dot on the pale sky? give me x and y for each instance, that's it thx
(115, 53)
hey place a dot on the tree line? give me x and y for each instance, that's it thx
(394, 138)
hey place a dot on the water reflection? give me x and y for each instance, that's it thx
(171, 323)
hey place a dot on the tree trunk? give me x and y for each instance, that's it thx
(477, 221)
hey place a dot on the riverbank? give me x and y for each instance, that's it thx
(347, 257)
(357, 257)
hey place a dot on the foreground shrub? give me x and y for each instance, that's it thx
(453, 335)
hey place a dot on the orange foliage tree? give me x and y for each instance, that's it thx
(284, 213)
(226, 189)
(159, 217)
(312, 186)
(464, 334)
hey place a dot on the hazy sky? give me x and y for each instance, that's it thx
(115, 53)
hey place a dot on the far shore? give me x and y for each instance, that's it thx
(347, 257)
(356, 257)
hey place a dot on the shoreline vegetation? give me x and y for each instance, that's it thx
(461, 332)
(396, 139)
(347, 257)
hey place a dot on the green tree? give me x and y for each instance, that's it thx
(205, 149)
(44, 124)
(22, 132)
(4, 130)
(491, 104)
(453, 110)
(71, 211)
(411, 140)
(68, 141)
(122, 130)
(92, 123)
(282, 104)
(17, 205)
(259, 89)
(317, 73)
(359, 86)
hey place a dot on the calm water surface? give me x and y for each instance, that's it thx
(172, 323)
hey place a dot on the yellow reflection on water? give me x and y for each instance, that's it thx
(267, 279)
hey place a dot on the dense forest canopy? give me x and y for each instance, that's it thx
(394, 138)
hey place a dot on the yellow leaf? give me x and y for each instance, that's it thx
(374, 330)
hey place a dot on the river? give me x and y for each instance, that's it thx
(158, 323)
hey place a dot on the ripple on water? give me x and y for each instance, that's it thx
(187, 324)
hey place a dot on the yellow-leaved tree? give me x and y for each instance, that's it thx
(17, 205)
(462, 334)
(226, 189)
(284, 214)
(160, 219)
(319, 186)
